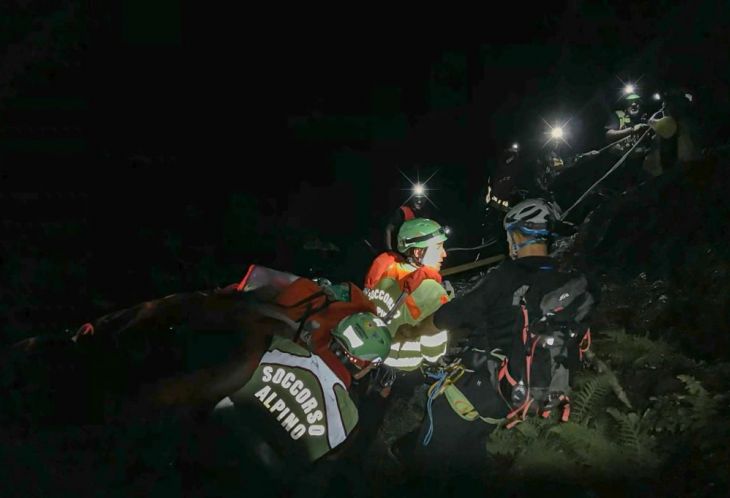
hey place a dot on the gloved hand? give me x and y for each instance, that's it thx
(449, 289)
(382, 380)
(639, 128)
(384, 376)
(476, 359)
(589, 154)
(563, 228)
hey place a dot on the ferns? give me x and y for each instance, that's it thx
(634, 438)
(629, 432)
(544, 460)
(593, 448)
(636, 351)
(678, 413)
(628, 349)
(704, 407)
(606, 439)
(503, 443)
(591, 393)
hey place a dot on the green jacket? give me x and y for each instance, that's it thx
(624, 121)
(429, 296)
(303, 395)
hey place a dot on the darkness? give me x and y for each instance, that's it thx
(197, 140)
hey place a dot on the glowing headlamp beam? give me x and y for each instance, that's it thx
(419, 189)
(556, 132)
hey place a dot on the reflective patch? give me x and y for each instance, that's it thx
(224, 403)
(352, 337)
(436, 339)
(410, 346)
(433, 359)
(403, 362)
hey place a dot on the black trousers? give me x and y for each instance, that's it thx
(457, 444)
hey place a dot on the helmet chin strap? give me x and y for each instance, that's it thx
(515, 247)
(414, 260)
(339, 352)
(428, 258)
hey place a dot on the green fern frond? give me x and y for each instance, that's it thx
(628, 349)
(589, 395)
(585, 443)
(545, 460)
(628, 431)
(633, 438)
(693, 386)
(664, 356)
(504, 442)
(595, 454)
(663, 416)
(528, 429)
(704, 406)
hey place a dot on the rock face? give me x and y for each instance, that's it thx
(663, 258)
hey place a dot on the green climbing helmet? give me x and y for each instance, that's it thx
(364, 337)
(632, 96)
(420, 232)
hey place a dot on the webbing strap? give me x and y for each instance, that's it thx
(504, 374)
(587, 340)
(464, 408)
(526, 323)
(396, 306)
(566, 408)
(307, 299)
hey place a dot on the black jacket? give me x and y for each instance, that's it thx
(487, 312)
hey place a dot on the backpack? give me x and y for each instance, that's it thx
(318, 306)
(536, 376)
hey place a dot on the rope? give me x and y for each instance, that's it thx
(472, 265)
(486, 244)
(432, 395)
(613, 143)
(618, 163)
(370, 246)
(396, 306)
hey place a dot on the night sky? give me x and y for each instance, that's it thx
(206, 134)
